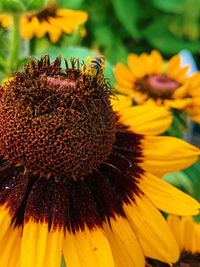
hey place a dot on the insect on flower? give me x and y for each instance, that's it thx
(94, 68)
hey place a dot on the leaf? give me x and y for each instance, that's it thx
(172, 6)
(197, 218)
(193, 174)
(13, 6)
(63, 264)
(73, 4)
(34, 4)
(162, 39)
(181, 181)
(128, 13)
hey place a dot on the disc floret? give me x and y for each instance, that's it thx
(56, 122)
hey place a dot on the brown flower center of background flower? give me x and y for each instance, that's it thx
(56, 123)
(44, 14)
(157, 86)
(187, 259)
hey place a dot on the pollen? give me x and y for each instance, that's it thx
(55, 122)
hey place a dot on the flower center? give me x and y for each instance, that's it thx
(45, 13)
(187, 259)
(157, 86)
(56, 123)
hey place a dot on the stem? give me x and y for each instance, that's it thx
(15, 43)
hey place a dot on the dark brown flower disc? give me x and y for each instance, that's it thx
(55, 122)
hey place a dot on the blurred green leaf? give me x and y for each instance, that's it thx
(159, 36)
(173, 6)
(12, 6)
(181, 181)
(128, 13)
(34, 4)
(2, 76)
(193, 174)
(187, 180)
(179, 124)
(197, 218)
(73, 4)
(63, 263)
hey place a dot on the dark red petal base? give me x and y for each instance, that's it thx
(72, 204)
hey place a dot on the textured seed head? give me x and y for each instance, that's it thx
(56, 122)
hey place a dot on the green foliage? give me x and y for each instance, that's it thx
(179, 125)
(170, 6)
(127, 13)
(19, 6)
(12, 6)
(187, 180)
(118, 27)
(74, 4)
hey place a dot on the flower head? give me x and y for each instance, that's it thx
(5, 20)
(148, 79)
(75, 179)
(53, 21)
(187, 233)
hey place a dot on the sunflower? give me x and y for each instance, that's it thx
(51, 20)
(5, 20)
(148, 79)
(76, 180)
(187, 233)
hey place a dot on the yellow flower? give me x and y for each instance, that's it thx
(187, 233)
(5, 20)
(51, 20)
(148, 79)
(76, 179)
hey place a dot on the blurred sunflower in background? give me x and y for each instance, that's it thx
(5, 20)
(50, 20)
(77, 179)
(187, 233)
(148, 79)
(53, 21)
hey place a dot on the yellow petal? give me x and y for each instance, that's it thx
(173, 65)
(120, 102)
(194, 84)
(178, 103)
(5, 220)
(10, 248)
(29, 28)
(152, 230)
(87, 248)
(168, 198)
(181, 74)
(158, 61)
(174, 224)
(123, 89)
(163, 154)
(123, 241)
(54, 33)
(76, 16)
(148, 63)
(149, 120)
(182, 91)
(186, 231)
(41, 247)
(136, 66)
(123, 75)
